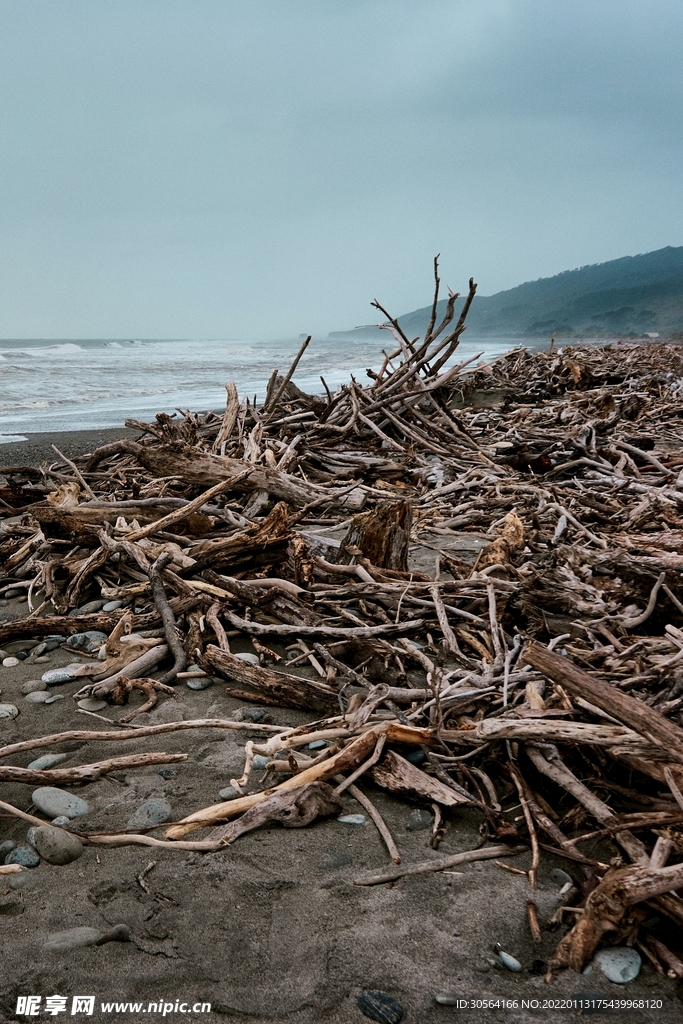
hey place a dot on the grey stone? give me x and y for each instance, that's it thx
(74, 938)
(251, 659)
(11, 594)
(380, 1006)
(61, 819)
(510, 962)
(23, 880)
(419, 819)
(24, 855)
(202, 683)
(19, 646)
(111, 606)
(44, 659)
(37, 696)
(88, 642)
(151, 812)
(229, 793)
(55, 845)
(167, 773)
(54, 802)
(91, 704)
(416, 756)
(317, 745)
(33, 686)
(8, 711)
(560, 877)
(90, 607)
(54, 697)
(5, 846)
(55, 676)
(352, 819)
(255, 715)
(260, 762)
(42, 764)
(10, 662)
(620, 964)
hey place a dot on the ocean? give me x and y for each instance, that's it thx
(51, 385)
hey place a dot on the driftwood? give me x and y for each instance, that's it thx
(534, 653)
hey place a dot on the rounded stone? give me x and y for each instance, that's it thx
(167, 773)
(111, 606)
(61, 819)
(416, 756)
(352, 819)
(33, 686)
(254, 715)
(91, 704)
(260, 762)
(89, 607)
(54, 802)
(620, 964)
(24, 855)
(54, 697)
(42, 764)
(152, 812)
(202, 683)
(8, 711)
(88, 642)
(560, 877)
(5, 847)
(55, 845)
(419, 819)
(251, 659)
(317, 745)
(510, 962)
(229, 793)
(10, 662)
(37, 696)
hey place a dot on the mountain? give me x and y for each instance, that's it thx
(631, 296)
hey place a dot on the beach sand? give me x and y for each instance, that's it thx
(271, 929)
(38, 447)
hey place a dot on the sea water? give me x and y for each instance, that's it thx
(89, 384)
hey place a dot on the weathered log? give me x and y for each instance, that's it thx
(382, 535)
(400, 776)
(85, 772)
(639, 716)
(289, 691)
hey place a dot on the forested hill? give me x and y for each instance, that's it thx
(634, 295)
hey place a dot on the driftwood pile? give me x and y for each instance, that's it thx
(541, 685)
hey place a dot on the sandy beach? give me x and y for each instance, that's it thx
(37, 448)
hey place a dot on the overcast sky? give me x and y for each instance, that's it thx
(261, 168)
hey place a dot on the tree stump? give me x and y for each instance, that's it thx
(381, 535)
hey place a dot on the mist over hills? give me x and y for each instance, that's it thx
(631, 296)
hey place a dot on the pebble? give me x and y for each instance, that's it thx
(55, 676)
(8, 711)
(90, 607)
(111, 606)
(251, 659)
(24, 855)
(167, 773)
(260, 762)
(380, 1006)
(229, 793)
(416, 756)
(509, 961)
(418, 820)
(51, 644)
(61, 819)
(10, 662)
(88, 642)
(560, 877)
(447, 999)
(33, 686)
(10, 594)
(203, 683)
(5, 846)
(16, 646)
(254, 715)
(37, 696)
(24, 880)
(42, 764)
(54, 802)
(22, 655)
(352, 819)
(55, 845)
(91, 704)
(151, 812)
(317, 744)
(620, 964)
(54, 697)
(42, 660)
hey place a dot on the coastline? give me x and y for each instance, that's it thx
(37, 448)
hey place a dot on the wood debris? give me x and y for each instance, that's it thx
(529, 656)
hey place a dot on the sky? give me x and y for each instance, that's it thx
(265, 168)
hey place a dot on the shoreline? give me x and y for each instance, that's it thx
(37, 447)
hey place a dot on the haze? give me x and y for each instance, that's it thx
(219, 168)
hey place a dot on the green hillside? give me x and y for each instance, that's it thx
(634, 295)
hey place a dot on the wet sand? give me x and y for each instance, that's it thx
(38, 449)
